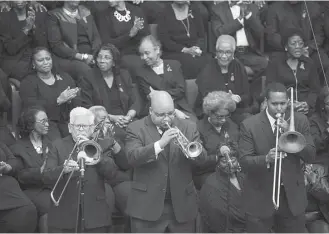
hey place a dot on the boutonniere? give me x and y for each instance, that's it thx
(85, 19)
(190, 14)
(304, 14)
(58, 77)
(169, 68)
(302, 66)
(47, 150)
(232, 77)
(226, 135)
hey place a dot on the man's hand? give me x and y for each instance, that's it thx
(70, 166)
(5, 168)
(236, 98)
(38, 6)
(270, 157)
(167, 137)
(306, 52)
(283, 124)
(4, 6)
(181, 114)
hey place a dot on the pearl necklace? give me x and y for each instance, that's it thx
(121, 18)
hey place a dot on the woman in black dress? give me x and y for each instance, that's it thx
(55, 91)
(32, 149)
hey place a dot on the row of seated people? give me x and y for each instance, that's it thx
(39, 162)
(67, 55)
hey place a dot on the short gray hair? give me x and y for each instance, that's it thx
(155, 42)
(227, 39)
(218, 100)
(81, 111)
(96, 110)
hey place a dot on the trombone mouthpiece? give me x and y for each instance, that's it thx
(278, 115)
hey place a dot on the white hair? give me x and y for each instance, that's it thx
(81, 111)
(226, 39)
(96, 110)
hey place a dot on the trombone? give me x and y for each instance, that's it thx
(290, 142)
(190, 149)
(93, 151)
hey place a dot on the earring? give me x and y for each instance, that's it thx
(285, 49)
(33, 67)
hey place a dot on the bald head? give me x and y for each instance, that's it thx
(161, 100)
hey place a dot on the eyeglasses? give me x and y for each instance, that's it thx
(222, 52)
(81, 126)
(42, 121)
(163, 115)
(105, 58)
(296, 43)
(220, 117)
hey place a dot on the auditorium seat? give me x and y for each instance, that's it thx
(191, 92)
(16, 105)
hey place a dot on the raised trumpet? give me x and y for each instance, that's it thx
(190, 149)
(289, 142)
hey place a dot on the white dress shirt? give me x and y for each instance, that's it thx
(241, 38)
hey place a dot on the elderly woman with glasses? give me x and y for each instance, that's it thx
(220, 199)
(32, 149)
(225, 73)
(215, 127)
(295, 69)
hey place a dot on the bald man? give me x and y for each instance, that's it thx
(163, 197)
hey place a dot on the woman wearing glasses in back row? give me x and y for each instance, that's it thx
(225, 73)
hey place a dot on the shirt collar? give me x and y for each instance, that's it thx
(270, 118)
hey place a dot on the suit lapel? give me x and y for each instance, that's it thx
(152, 78)
(153, 132)
(267, 129)
(29, 149)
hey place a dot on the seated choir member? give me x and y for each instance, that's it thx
(21, 30)
(55, 91)
(97, 214)
(159, 74)
(163, 196)
(257, 152)
(295, 69)
(182, 34)
(225, 73)
(32, 149)
(110, 86)
(215, 127)
(73, 38)
(121, 190)
(17, 212)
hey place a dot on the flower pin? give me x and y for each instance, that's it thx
(232, 77)
(120, 88)
(47, 150)
(58, 77)
(226, 135)
(304, 14)
(302, 66)
(190, 14)
(168, 68)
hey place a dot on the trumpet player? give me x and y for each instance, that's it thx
(257, 148)
(97, 215)
(163, 196)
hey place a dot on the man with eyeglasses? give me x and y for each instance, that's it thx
(97, 214)
(163, 196)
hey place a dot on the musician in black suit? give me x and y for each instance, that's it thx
(163, 196)
(17, 212)
(97, 214)
(257, 155)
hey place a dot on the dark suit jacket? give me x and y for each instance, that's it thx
(171, 81)
(93, 90)
(283, 15)
(30, 175)
(146, 199)
(222, 23)
(97, 213)
(16, 43)
(256, 140)
(321, 138)
(63, 36)
(11, 195)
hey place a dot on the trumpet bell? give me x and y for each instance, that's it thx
(194, 149)
(292, 142)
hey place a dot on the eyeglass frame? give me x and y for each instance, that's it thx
(42, 121)
(217, 117)
(228, 53)
(164, 115)
(83, 126)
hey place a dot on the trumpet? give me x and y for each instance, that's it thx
(190, 149)
(289, 142)
(93, 152)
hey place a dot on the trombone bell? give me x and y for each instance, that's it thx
(292, 142)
